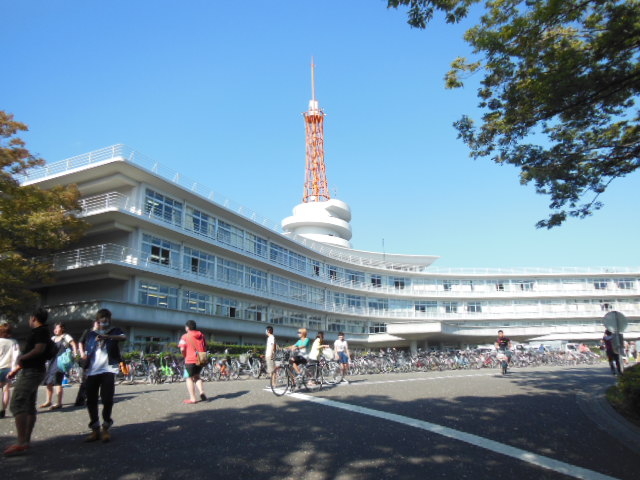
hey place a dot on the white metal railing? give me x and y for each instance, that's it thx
(117, 254)
(114, 201)
(122, 152)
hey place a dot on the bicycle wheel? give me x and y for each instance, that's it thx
(332, 373)
(280, 381)
(234, 370)
(256, 369)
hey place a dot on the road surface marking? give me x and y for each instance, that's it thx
(486, 443)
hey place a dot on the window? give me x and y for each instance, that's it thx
(230, 272)
(354, 277)
(376, 280)
(278, 254)
(378, 304)
(157, 295)
(200, 263)
(447, 285)
(600, 284)
(333, 272)
(279, 285)
(354, 301)
(199, 222)
(426, 306)
(450, 307)
(625, 284)
(474, 307)
(525, 285)
(337, 298)
(399, 283)
(197, 302)
(256, 279)
(160, 251)
(297, 261)
(162, 207)
(500, 287)
(378, 328)
(230, 235)
(315, 265)
(227, 307)
(256, 245)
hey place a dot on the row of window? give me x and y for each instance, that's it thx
(165, 296)
(172, 211)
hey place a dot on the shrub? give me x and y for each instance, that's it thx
(629, 387)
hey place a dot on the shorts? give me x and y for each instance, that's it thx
(57, 381)
(25, 391)
(3, 374)
(299, 360)
(271, 366)
(343, 357)
(192, 369)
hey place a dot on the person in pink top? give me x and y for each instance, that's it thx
(191, 342)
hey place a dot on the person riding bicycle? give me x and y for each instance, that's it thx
(503, 345)
(300, 350)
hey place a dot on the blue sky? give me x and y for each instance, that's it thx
(215, 90)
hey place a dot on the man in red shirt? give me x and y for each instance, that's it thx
(192, 342)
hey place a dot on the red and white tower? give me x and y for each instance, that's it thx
(316, 188)
(319, 217)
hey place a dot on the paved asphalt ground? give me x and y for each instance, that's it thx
(542, 423)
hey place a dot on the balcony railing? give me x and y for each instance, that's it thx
(117, 254)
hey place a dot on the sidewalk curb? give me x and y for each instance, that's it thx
(596, 406)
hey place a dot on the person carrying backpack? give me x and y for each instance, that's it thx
(57, 368)
(30, 372)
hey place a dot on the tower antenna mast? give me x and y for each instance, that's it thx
(316, 188)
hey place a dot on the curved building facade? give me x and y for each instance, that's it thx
(163, 249)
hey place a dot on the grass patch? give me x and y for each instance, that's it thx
(624, 397)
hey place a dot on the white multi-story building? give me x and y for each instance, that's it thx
(163, 249)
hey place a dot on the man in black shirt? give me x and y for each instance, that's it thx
(31, 365)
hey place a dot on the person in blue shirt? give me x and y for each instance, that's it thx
(300, 349)
(102, 357)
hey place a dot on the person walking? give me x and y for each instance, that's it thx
(191, 343)
(9, 352)
(54, 375)
(30, 370)
(102, 359)
(343, 356)
(611, 348)
(270, 354)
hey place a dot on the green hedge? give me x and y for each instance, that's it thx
(629, 388)
(213, 348)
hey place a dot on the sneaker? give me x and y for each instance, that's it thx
(2, 413)
(203, 397)
(94, 436)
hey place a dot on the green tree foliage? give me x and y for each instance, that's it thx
(561, 82)
(33, 223)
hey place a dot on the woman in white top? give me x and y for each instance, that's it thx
(9, 352)
(54, 375)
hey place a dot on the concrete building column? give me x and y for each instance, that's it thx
(413, 346)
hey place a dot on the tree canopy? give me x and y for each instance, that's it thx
(33, 223)
(559, 92)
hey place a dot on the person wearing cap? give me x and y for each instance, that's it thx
(30, 371)
(611, 348)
